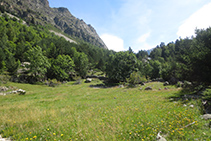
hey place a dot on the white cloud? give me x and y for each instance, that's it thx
(113, 42)
(143, 38)
(200, 19)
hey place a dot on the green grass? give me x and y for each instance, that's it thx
(79, 112)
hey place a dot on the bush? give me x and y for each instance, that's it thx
(136, 78)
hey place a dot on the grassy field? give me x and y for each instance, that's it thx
(79, 112)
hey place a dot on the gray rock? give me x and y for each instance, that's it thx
(121, 86)
(165, 88)
(148, 88)
(88, 80)
(206, 116)
(192, 106)
(3, 88)
(4, 139)
(166, 83)
(21, 92)
(159, 137)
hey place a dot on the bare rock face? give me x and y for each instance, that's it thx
(39, 12)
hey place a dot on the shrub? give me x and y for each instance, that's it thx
(136, 78)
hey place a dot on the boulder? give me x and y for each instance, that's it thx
(121, 86)
(206, 116)
(159, 137)
(88, 80)
(3, 89)
(4, 139)
(166, 83)
(148, 88)
(21, 92)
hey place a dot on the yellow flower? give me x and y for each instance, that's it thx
(30, 138)
(48, 129)
(62, 135)
(34, 137)
(54, 134)
(27, 138)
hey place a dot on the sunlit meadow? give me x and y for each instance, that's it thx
(80, 112)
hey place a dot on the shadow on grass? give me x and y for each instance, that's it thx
(185, 95)
(105, 84)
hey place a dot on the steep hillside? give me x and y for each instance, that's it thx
(39, 12)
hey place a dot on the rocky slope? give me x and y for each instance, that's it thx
(39, 12)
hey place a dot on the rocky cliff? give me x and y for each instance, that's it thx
(39, 12)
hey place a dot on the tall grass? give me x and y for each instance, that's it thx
(79, 112)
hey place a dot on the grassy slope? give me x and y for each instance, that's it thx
(78, 112)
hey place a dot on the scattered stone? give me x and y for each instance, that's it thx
(3, 89)
(21, 92)
(121, 86)
(166, 83)
(206, 116)
(159, 137)
(192, 106)
(141, 89)
(148, 88)
(159, 89)
(4, 139)
(184, 105)
(88, 80)
(165, 88)
(114, 97)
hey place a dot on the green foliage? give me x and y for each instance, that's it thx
(38, 63)
(18, 43)
(61, 67)
(156, 69)
(121, 65)
(136, 78)
(81, 63)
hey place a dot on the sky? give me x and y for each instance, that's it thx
(140, 24)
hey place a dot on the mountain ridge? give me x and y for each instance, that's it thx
(40, 13)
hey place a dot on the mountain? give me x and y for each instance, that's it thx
(40, 13)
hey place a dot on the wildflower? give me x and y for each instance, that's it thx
(54, 134)
(34, 137)
(62, 135)
(27, 138)
(48, 129)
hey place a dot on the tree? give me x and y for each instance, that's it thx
(156, 71)
(81, 63)
(121, 65)
(38, 63)
(61, 67)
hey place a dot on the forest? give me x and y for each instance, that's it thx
(34, 54)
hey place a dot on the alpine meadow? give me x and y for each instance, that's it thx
(59, 81)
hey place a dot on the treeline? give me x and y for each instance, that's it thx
(46, 55)
(183, 60)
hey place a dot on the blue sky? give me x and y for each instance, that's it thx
(140, 24)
